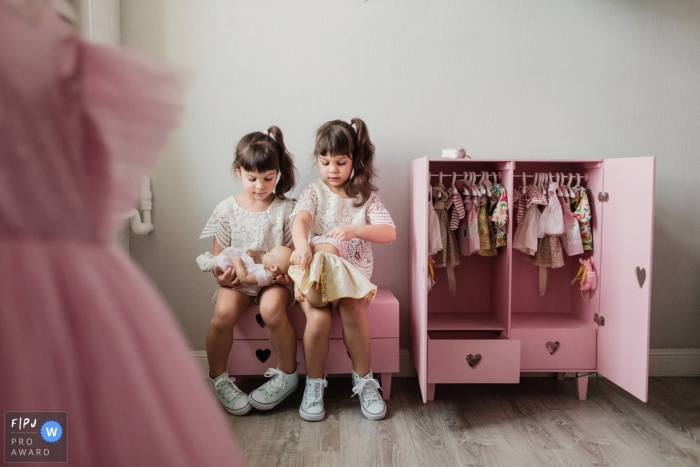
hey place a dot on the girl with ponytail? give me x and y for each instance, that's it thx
(342, 205)
(256, 219)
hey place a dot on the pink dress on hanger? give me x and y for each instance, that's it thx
(82, 330)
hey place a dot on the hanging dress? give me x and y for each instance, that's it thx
(487, 242)
(571, 240)
(435, 241)
(448, 257)
(526, 237)
(582, 212)
(551, 223)
(82, 329)
(499, 214)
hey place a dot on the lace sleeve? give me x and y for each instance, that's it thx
(377, 213)
(306, 202)
(288, 222)
(218, 227)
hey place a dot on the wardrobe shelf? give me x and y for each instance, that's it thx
(458, 321)
(534, 320)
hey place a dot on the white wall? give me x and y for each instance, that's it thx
(506, 79)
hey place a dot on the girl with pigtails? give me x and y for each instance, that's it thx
(341, 209)
(256, 219)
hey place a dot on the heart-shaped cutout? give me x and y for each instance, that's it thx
(260, 321)
(473, 360)
(641, 276)
(552, 347)
(263, 355)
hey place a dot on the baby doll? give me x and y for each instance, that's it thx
(329, 277)
(250, 271)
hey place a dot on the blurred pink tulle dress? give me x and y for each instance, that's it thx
(82, 330)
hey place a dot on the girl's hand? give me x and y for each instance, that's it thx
(300, 297)
(226, 278)
(343, 233)
(301, 256)
(284, 279)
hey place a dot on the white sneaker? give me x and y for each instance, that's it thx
(311, 408)
(233, 399)
(371, 402)
(275, 390)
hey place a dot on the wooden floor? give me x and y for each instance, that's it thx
(538, 422)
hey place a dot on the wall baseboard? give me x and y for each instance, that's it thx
(674, 362)
(662, 362)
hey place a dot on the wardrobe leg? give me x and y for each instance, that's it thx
(582, 383)
(430, 391)
(560, 376)
(386, 386)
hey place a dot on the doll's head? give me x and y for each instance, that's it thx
(276, 261)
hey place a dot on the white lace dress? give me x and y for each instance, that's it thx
(329, 210)
(232, 225)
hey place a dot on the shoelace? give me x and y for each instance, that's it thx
(316, 394)
(230, 390)
(278, 380)
(367, 394)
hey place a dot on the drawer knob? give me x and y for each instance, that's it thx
(552, 347)
(263, 355)
(473, 360)
(260, 321)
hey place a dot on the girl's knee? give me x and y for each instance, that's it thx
(318, 321)
(224, 317)
(274, 314)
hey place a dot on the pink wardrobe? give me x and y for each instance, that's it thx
(497, 326)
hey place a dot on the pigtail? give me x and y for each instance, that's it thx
(287, 170)
(360, 184)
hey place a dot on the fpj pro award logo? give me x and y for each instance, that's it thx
(36, 437)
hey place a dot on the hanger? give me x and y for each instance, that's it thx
(454, 181)
(488, 185)
(578, 179)
(568, 185)
(465, 191)
(557, 179)
(524, 180)
(475, 190)
(482, 189)
(565, 191)
(495, 177)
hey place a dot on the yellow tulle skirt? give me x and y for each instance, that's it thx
(337, 278)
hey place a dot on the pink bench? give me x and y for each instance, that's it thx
(251, 353)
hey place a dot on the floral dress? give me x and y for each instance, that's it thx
(582, 211)
(499, 213)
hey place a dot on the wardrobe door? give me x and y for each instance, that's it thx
(625, 272)
(419, 263)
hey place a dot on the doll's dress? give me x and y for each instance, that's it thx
(82, 329)
(571, 240)
(336, 276)
(225, 259)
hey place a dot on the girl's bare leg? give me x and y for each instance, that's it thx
(230, 305)
(356, 333)
(273, 309)
(316, 336)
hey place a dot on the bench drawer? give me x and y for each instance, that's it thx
(472, 357)
(557, 349)
(254, 357)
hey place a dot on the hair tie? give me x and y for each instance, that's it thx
(267, 133)
(349, 122)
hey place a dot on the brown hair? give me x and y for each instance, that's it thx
(339, 138)
(261, 152)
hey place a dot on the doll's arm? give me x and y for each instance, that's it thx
(300, 297)
(242, 273)
(255, 256)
